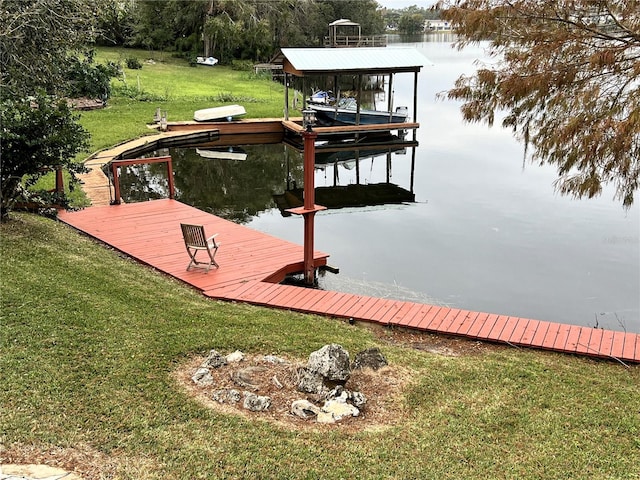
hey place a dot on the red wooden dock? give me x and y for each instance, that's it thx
(252, 264)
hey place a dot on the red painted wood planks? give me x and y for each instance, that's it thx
(630, 340)
(464, 323)
(150, 232)
(607, 343)
(573, 338)
(445, 325)
(617, 346)
(583, 344)
(478, 325)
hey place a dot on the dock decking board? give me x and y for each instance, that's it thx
(251, 264)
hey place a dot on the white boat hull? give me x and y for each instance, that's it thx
(228, 112)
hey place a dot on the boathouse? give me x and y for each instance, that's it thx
(359, 62)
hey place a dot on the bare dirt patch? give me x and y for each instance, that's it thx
(383, 389)
(434, 343)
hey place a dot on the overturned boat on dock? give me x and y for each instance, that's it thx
(226, 112)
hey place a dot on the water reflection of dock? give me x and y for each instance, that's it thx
(342, 196)
(349, 154)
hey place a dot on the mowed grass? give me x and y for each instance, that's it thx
(174, 86)
(89, 340)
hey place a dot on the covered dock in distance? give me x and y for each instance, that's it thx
(359, 62)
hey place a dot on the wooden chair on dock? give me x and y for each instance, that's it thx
(195, 240)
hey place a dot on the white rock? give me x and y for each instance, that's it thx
(304, 409)
(226, 396)
(324, 417)
(235, 357)
(256, 403)
(340, 409)
(273, 359)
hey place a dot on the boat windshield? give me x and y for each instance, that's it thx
(348, 102)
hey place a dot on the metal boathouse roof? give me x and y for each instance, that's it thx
(373, 60)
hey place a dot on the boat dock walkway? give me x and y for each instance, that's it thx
(252, 264)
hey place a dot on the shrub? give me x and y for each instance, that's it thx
(242, 65)
(86, 79)
(38, 134)
(133, 63)
(134, 93)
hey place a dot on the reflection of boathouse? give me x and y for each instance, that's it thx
(332, 156)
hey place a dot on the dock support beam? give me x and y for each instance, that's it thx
(309, 209)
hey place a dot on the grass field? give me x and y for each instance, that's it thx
(177, 88)
(89, 342)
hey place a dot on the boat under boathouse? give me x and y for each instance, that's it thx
(307, 63)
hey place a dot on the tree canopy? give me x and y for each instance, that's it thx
(41, 42)
(36, 39)
(230, 29)
(567, 79)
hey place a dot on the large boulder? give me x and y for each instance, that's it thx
(325, 369)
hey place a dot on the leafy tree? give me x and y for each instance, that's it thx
(567, 76)
(36, 38)
(411, 23)
(244, 29)
(37, 134)
(115, 22)
(153, 25)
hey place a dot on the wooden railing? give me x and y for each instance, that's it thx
(139, 161)
(356, 41)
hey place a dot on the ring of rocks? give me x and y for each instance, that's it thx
(328, 389)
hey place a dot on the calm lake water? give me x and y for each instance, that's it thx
(487, 232)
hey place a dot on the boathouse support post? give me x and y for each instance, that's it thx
(309, 204)
(415, 102)
(390, 99)
(286, 96)
(309, 207)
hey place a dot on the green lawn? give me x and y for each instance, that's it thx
(177, 88)
(89, 340)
